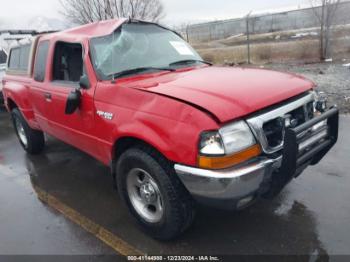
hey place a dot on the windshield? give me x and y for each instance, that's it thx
(139, 46)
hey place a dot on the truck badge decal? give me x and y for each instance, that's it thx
(106, 115)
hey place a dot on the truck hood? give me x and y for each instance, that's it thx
(227, 93)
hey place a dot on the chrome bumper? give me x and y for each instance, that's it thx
(231, 188)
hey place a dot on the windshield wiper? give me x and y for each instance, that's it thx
(190, 61)
(138, 70)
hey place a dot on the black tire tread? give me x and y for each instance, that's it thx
(36, 140)
(184, 196)
(183, 210)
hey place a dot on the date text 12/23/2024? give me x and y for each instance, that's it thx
(173, 258)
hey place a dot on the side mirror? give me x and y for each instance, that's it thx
(73, 102)
(84, 82)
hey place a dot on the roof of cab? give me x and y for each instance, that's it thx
(88, 31)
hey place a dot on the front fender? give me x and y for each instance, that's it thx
(177, 141)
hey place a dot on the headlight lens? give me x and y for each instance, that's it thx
(230, 139)
(236, 137)
(211, 144)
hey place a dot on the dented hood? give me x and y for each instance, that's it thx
(228, 93)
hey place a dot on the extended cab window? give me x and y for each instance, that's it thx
(68, 62)
(40, 61)
(14, 59)
(19, 58)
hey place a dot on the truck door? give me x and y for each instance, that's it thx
(38, 92)
(67, 69)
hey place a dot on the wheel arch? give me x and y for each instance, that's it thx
(11, 104)
(126, 142)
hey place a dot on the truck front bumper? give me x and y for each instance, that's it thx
(239, 186)
(232, 188)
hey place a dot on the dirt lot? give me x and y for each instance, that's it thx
(276, 47)
(331, 78)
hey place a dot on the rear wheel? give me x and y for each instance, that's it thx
(154, 195)
(31, 140)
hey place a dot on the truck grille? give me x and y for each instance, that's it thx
(269, 127)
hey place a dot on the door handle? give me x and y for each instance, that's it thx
(48, 97)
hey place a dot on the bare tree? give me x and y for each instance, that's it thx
(325, 12)
(87, 11)
(184, 30)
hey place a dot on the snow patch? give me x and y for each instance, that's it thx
(38, 23)
(234, 36)
(304, 34)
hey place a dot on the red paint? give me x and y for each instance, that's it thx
(167, 110)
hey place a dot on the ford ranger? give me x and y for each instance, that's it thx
(174, 129)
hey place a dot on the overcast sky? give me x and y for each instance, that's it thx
(177, 11)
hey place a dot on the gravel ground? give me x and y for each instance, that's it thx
(331, 78)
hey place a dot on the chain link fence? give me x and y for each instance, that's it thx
(291, 20)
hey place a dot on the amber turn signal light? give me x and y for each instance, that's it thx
(206, 162)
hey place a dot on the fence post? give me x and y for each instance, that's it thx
(187, 37)
(248, 38)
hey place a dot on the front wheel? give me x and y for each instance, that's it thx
(154, 195)
(32, 141)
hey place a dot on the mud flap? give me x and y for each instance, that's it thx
(294, 161)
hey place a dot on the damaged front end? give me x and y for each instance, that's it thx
(292, 136)
(304, 132)
(304, 146)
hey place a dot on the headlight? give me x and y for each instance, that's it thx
(211, 144)
(228, 140)
(231, 145)
(236, 137)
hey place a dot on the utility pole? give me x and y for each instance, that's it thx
(248, 38)
(322, 33)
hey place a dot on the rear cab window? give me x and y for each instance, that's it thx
(18, 62)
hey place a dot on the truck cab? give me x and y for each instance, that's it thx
(174, 129)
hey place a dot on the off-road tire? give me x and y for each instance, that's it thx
(35, 139)
(179, 210)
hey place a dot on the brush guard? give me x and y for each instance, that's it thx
(294, 160)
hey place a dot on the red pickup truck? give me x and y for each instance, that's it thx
(174, 129)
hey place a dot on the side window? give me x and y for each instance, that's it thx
(14, 59)
(24, 57)
(40, 61)
(68, 62)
